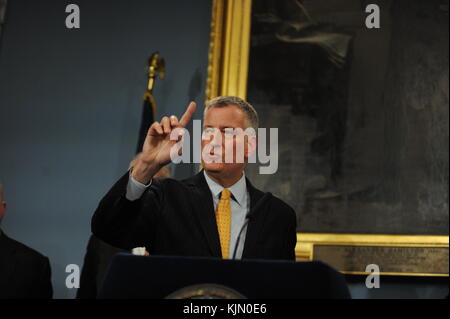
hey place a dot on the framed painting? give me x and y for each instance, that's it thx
(362, 116)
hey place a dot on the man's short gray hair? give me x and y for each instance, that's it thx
(247, 108)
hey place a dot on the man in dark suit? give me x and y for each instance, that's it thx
(24, 273)
(216, 213)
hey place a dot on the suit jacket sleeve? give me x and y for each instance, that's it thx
(127, 224)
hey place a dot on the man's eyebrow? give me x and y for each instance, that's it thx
(220, 127)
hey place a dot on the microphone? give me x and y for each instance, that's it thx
(249, 216)
(236, 245)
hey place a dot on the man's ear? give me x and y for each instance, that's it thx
(2, 209)
(251, 146)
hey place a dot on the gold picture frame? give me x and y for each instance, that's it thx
(227, 75)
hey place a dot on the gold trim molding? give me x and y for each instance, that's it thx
(229, 48)
(306, 242)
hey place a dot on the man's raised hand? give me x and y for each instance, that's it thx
(157, 145)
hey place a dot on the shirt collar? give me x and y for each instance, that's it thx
(238, 189)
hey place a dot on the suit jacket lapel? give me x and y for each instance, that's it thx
(256, 223)
(204, 210)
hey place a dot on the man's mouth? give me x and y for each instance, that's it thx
(213, 157)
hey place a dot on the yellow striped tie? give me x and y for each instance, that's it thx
(223, 219)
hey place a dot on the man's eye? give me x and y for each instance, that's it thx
(208, 131)
(228, 131)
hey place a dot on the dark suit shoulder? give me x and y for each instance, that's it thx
(171, 184)
(281, 203)
(26, 274)
(283, 208)
(22, 249)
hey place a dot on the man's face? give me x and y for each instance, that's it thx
(216, 142)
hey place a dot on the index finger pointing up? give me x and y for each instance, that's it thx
(188, 114)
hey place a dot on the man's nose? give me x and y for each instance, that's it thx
(216, 138)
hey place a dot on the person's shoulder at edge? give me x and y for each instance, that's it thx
(20, 247)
